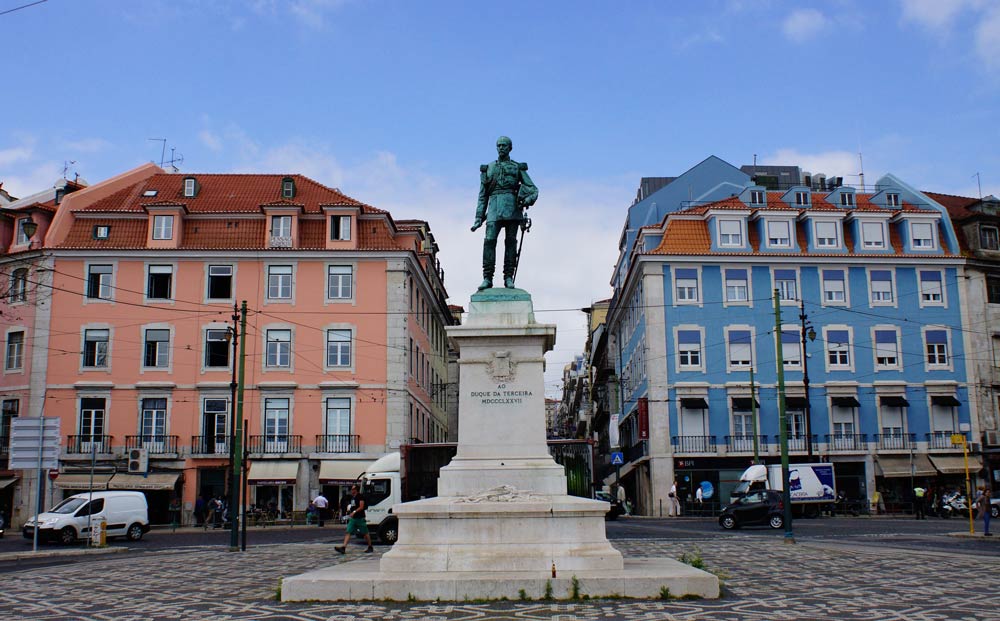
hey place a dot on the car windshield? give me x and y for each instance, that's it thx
(68, 506)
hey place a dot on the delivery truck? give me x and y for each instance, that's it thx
(811, 485)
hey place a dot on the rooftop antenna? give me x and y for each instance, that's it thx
(174, 160)
(979, 182)
(163, 148)
(67, 164)
(861, 163)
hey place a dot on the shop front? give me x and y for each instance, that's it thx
(896, 476)
(272, 486)
(336, 476)
(159, 488)
(952, 469)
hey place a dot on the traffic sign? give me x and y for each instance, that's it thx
(617, 458)
(53, 474)
(30, 436)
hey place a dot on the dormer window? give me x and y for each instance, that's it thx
(288, 188)
(778, 234)
(163, 227)
(340, 228)
(190, 187)
(757, 197)
(922, 235)
(281, 231)
(730, 233)
(872, 235)
(802, 198)
(892, 199)
(988, 238)
(22, 236)
(847, 199)
(102, 231)
(826, 235)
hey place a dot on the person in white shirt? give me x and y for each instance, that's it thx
(673, 503)
(322, 507)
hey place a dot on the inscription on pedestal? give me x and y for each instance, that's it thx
(501, 396)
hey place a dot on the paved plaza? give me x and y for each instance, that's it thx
(764, 580)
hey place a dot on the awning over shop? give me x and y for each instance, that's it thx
(945, 400)
(82, 481)
(694, 403)
(5, 482)
(273, 472)
(341, 471)
(845, 402)
(743, 403)
(152, 481)
(892, 467)
(955, 464)
(894, 401)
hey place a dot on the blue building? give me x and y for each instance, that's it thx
(869, 288)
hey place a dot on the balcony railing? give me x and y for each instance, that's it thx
(847, 441)
(4, 446)
(942, 440)
(275, 444)
(87, 444)
(744, 444)
(210, 445)
(694, 444)
(796, 443)
(895, 441)
(638, 450)
(342, 443)
(154, 444)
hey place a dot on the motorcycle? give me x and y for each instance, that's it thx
(954, 503)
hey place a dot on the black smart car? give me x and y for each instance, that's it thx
(757, 507)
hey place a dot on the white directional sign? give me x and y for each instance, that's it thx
(28, 435)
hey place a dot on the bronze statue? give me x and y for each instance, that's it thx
(505, 192)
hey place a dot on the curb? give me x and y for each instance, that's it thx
(27, 556)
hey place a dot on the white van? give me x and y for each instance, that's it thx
(125, 514)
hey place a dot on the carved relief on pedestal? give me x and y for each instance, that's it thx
(501, 367)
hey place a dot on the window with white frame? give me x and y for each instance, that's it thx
(739, 349)
(847, 199)
(892, 199)
(276, 412)
(930, 287)
(279, 348)
(881, 287)
(156, 348)
(886, 349)
(92, 413)
(215, 425)
(736, 285)
(730, 233)
(153, 421)
(687, 284)
(689, 349)
(827, 235)
(757, 197)
(791, 349)
(14, 360)
(834, 287)
(786, 284)
(921, 235)
(338, 348)
(279, 282)
(779, 234)
(843, 422)
(19, 285)
(802, 198)
(893, 416)
(838, 348)
(340, 228)
(936, 342)
(281, 226)
(99, 282)
(95, 348)
(216, 348)
(220, 282)
(163, 227)
(873, 235)
(22, 237)
(339, 282)
(159, 282)
(989, 239)
(190, 187)
(339, 425)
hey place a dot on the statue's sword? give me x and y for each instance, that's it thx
(525, 227)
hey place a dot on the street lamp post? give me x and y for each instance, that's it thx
(786, 495)
(233, 335)
(807, 331)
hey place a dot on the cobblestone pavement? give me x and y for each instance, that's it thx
(764, 581)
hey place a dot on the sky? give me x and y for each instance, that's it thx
(397, 103)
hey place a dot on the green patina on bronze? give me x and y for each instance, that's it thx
(505, 193)
(501, 295)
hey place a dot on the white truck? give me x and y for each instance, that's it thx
(811, 485)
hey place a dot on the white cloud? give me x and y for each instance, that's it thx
(210, 139)
(803, 24)
(933, 14)
(32, 179)
(13, 155)
(831, 163)
(987, 39)
(87, 145)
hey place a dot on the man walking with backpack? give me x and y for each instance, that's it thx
(356, 524)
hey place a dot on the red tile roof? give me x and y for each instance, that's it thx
(957, 206)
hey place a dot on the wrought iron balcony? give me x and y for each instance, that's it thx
(694, 444)
(846, 442)
(636, 451)
(796, 444)
(942, 440)
(4, 446)
(275, 444)
(210, 445)
(87, 444)
(744, 444)
(338, 443)
(895, 441)
(154, 444)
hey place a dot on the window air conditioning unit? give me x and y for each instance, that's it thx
(991, 437)
(138, 461)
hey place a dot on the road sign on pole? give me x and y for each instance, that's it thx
(617, 458)
(28, 437)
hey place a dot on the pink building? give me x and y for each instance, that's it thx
(346, 355)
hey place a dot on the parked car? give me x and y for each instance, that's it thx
(616, 507)
(757, 507)
(125, 514)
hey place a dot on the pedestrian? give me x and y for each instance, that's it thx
(699, 496)
(357, 524)
(345, 504)
(311, 514)
(985, 510)
(673, 502)
(209, 512)
(321, 504)
(217, 508)
(199, 510)
(918, 502)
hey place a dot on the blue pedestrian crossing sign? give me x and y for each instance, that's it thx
(617, 459)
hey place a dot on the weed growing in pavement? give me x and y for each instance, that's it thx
(410, 597)
(548, 590)
(664, 592)
(576, 588)
(694, 559)
(522, 595)
(277, 591)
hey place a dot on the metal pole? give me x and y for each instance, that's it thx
(805, 381)
(234, 473)
(753, 411)
(783, 423)
(90, 498)
(246, 494)
(968, 486)
(240, 427)
(39, 504)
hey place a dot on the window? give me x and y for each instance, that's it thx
(338, 348)
(287, 188)
(689, 349)
(736, 285)
(338, 424)
(15, 351)
(339, 281)
(826, 235)
(687, 285)
(157, 348)
(757, 197)
(281, 226)
(730, 233)
(988, 238)
(802, 198)
(921, 235)
(159, 282)
(892, 423)
(102, 231)
(843, 424)
(220, 282)
(937, 347)
(847, 199)
(872, 235)
(19, 285)
(163, 227)
(838, 347)
(340, 228)
(886, 351)
(215, 425)
(739, 349)
(216, 348)
(778, 235)
(993, 289)
(276, 419)
(892, 200)
(834, 291)
(930, 287)
(881, 287)
(785, 283)
(279, 282)
(791, 349)
(92, 410)
(99, 282)
(279, 348)
(190, 187)
(8, 412)
(153, 425)
(150, 193)
(22, 237)
(95, 348)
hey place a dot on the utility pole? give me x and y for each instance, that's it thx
(806, 330)
(241, 433)
(236, 516)
(753, 410)
(783, 422)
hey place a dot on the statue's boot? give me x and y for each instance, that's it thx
(508, 282)
(486, 284)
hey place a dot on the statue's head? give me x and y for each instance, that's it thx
(504, 146)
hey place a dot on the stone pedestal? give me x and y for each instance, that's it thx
(502, 521)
